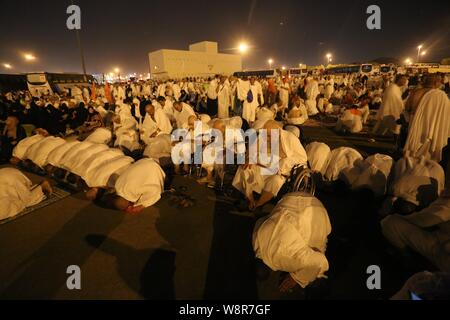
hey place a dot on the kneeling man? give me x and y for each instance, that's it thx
(293, 238)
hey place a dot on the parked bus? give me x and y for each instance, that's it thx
(422, 68)
(297, 72)
(256, 73)
(49, 83)
(367, 69)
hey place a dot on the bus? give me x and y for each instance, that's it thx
(256, 73)
(423, 68)
(297, 72)
(367, 69)
(48, 83)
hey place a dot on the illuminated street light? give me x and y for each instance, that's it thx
(116, 70)
(423, 53)
(243, 47)
(329, 57)
(418, 52)
(270, 61)
(7, 66)
(408, 61)
(29, 57)
(283, 68)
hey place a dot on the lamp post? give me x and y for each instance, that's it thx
(117, 71)
(418, 53)
(29, 57)
(270, 61)
(329, 57)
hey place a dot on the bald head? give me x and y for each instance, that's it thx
(191, 121)
(219, 125)
(272, 124)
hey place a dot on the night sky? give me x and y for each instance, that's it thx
(121, 33)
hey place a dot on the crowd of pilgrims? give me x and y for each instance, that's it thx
(114, 142)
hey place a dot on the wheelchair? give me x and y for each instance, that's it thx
(301, 179)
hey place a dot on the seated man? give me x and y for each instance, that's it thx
(125, 131)
(156, 122)
(426, 232)
(260, 177)
(213, 154)
(138, 187)
(324, 105)
(293, 238)
(182, 112)
(350, 120)
(298, 114)
(12, 134)
(93, 122)
(17, 192)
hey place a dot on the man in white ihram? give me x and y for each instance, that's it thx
(293, 238)
(17, 192)
(252, 177)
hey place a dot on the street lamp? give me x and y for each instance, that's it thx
(418, 52)
(329, 55)
(7, 66)
(117, 71)
(270, 61)
(283, 68)
(243, 47)
(408, 61)
(29, 57)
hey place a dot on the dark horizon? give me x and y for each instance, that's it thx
(290, 32)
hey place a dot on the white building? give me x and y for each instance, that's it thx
(202, 60)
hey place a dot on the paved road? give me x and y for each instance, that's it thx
(166, 252)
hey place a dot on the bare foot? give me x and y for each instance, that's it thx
(92, 193)
(15, 161)
(134, 210)
(288, 284)
(46, 187)
(251, 204)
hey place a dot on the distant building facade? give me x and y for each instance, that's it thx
(202, 60)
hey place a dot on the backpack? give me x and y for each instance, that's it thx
(250, 96)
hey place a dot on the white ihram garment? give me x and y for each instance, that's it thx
(318, 156)
(294, 238)
(22, 147)
(141, 183)
(340, 159)
(105, 174)
(17, 193)
(430, 128)
(38, 153)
